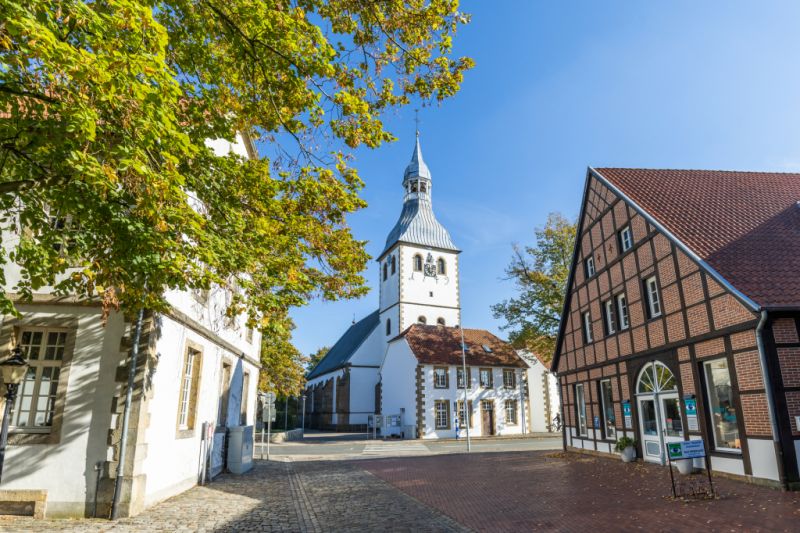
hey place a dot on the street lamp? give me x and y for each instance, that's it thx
(13, 370)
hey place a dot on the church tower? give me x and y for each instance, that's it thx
(419, 264)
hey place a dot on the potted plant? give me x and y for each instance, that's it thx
(626, 447)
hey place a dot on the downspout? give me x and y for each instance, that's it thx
(770, 400)
(126, 415)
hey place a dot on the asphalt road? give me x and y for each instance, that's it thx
(327, 446)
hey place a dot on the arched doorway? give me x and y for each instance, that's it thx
(659, 410)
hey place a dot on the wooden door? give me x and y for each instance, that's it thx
(487, 418)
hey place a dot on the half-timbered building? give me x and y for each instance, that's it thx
(681, 318)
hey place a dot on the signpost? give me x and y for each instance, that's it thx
(268, 416)
(689, 450)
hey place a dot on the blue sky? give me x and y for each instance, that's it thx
(562, 85)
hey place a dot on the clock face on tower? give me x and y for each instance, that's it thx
(430, 266)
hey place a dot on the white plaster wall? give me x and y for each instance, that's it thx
(66, 469)
(362, 393)
(762, 459)
(221, 147)
(390, 287)
(392, 314)
(498, 394)
(541, 382)
(415, 288)
(412, 312)
(398, 382)
(372, 350)
(173, 464)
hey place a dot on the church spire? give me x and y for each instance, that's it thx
(417, 167)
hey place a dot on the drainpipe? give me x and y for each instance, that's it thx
(126, 415)
(770, 400)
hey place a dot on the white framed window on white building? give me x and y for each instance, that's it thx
(625, 239)
(580, 410)
(442, 412)
(622, 312)
(653, 298)
(589, 265)
(509, 378)
(486, 378)
(511, 412)
(587, 327)
(45, 351)
(464, 417)
(608, 317)
(721, 403)
(441, 377)
(189, 385)
(462, 383)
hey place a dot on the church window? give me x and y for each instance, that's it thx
(440, 321)
(441, 267)
(422, 320)
(423, 187)
(394, 264)
(385, 271)
(418, 263)
(388, 326)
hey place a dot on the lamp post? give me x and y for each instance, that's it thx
(13, 370)
(303, 424)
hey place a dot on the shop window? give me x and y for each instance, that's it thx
(587, 327)
(462, 383)
(608, 317)
(486, 379)
(622, 312)
(653, 298)
(442, 410)
(607, 406)
(722, 408)
(441, 377)
(580, 410)
(589, 266)
(625, 239)
(511, 412)
(509, 378)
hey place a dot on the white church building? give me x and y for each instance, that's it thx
(381, 363)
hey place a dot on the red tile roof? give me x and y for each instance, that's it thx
(745, 225)
(439, 345)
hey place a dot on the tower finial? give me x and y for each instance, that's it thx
(416, 120)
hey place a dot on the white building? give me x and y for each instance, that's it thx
(195, 368)
(419, 284)
(542, 394)
(422, 380)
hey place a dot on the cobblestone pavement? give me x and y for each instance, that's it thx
(570, 492)
(312, 497)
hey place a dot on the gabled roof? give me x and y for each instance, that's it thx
(745, 225)
(743, 228)
(341, 352)
(440, 345)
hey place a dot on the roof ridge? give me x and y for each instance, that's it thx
(714, 170)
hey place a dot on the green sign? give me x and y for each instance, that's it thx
(689, 449)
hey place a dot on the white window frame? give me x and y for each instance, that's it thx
(653, 297)
(32, 388)
(587, 327)
(589, 265)
(623, 318)
(511, 420)
(460, 378)
(625, 239)
(509, 372)
(187, 379)
(490, 382)
(441, 412)
(580, 410)
(440, 377)
(608, 313)
(604, 409)
(464, 414)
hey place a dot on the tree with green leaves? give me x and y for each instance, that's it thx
(109, 190)
(283, 367)
(316, 357)
(540, 275)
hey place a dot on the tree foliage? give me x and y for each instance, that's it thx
(540, 274)
(316, 357)
(108, 188)
(282, 366)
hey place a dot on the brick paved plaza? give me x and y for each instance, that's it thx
(483, 492)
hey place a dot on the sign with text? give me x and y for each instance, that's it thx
(626, 411)
(690, 449)
(690, 406)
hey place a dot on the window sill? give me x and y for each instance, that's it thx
(731, 453)
(184, 433)
(21, 438)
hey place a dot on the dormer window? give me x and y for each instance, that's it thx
(625, 239)
(441, 267)
(418, 263)
(589, 263)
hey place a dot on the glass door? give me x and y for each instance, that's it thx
(651, 430)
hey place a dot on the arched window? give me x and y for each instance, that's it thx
(418, 263)
(440, 321)
(423, 187)
(422, 320)
(441, 266)
(388, 326)
(656, 377)
(394, 265)
(385, 271)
